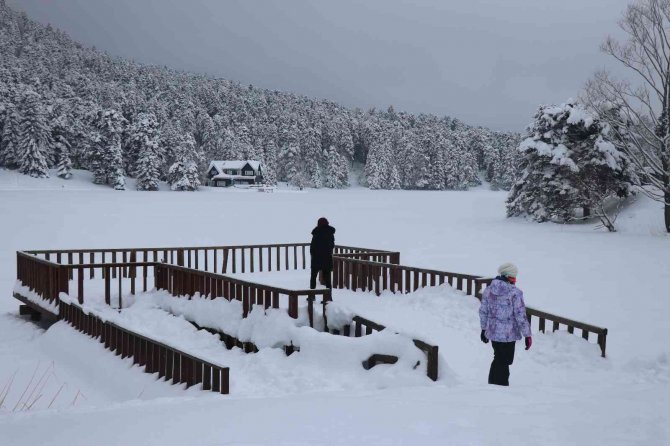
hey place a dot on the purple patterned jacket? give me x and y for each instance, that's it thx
(502, 314)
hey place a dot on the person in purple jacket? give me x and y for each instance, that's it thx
(502, 317)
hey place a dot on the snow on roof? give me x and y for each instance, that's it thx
(233, 164)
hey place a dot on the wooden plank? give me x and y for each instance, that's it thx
(234, 269)
(224, 267)
(206, 377)
(251, 260)
(260, 259)
(225, 381)
(216, 380)
(107, 285)
(80, 285)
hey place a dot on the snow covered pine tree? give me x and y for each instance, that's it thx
(183, 173)
(568, 163)
(34, 137)
(106, 156)
(144, 143)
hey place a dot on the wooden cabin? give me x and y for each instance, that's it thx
(234, 172)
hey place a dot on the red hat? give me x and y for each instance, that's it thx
(323, 221)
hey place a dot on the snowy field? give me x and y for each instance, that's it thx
(561, 391)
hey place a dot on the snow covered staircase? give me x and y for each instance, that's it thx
(168, 362)
(69, 284)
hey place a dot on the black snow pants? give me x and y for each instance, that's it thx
(315, 273)
(503, 356)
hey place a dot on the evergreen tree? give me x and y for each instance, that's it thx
(567, 164)
(107, 158)
(183, 173)
(35, 137)
(64, 164)
(9, 136)
(144, 139)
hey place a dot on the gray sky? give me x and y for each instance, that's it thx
(487, 62)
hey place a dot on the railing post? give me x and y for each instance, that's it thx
(602, 342)
(80, 285)
(293, 305)
(310, 309)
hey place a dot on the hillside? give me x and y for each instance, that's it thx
(120, 118)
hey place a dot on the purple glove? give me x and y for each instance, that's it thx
(529, 342)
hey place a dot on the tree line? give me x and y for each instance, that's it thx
(66, 106)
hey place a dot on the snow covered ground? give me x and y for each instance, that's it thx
(562, 392)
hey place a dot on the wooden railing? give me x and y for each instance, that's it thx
(216, 259)
(360, 324)
(186, 270)
(555, 320)
(182, 281)
(45, 278)
(354, 274)
(170, 363)
(368, 275)
(223, 259)
(177, 280)
(374, 256)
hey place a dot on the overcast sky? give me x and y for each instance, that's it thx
(487, 62)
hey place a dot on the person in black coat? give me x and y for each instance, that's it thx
(321, 251)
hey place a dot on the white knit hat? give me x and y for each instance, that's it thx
(508, 269)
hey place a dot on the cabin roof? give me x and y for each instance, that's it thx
(233, 164)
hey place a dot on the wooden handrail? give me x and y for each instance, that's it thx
(149, 249)
(409, 268)
(242, 281)
(431, 351)
(168, 248)
(157, 357)
(53, 277)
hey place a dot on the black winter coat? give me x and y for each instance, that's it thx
(321, 248)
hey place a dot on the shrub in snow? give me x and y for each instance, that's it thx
(568, 163)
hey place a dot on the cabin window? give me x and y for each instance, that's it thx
(249, 173)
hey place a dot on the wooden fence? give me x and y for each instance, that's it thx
(366, 275)
(354, 274)
(360, 324)
(215, 259)
(48, 279)
(182, 281)
(555, 320)
(170, 363)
